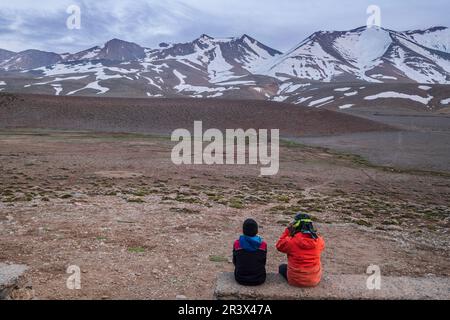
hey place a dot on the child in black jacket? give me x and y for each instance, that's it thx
(249, 256)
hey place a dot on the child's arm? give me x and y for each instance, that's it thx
(284, 243)
(265, 252)
(234, 251)
(322, 243)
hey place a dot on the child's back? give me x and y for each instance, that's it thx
(303, 247)
(304, 265)
(249, 256)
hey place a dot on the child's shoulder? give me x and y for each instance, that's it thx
(237, 245)
(263, 246)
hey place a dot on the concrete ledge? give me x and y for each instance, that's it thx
(332, 287)
(11, 278)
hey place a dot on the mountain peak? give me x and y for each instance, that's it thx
(30, 59)
(118, 41)
(360, 54)
(120, 50)
(205, 37)
(246, 36)
(429, 30)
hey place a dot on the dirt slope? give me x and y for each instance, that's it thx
(164, 115)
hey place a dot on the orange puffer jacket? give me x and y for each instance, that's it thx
(304, 266)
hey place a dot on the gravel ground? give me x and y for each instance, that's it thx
(140, 227)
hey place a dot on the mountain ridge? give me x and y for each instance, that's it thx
(234, 67)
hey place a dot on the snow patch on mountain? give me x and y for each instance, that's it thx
(152, 82)
(243, 82)
(158, 95)
(341, 89)
(437, 38)
(350, 94)
(218, 69)
(289, 87)
(397, 95)
(421, 70)
(320, 101)
(363, 48)
(383, 77)
(307, 61)
(94, 86)
(183, 86)
(210, 66)
(57, 88)
(303, 99)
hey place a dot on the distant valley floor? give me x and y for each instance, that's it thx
(422, 141)
(394, 133)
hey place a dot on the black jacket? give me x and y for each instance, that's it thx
(250, 267)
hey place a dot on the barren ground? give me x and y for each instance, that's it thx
(141, 227)
(421, 141)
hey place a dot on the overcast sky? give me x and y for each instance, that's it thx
(280, 24)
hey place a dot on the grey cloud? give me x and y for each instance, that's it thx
(278, 23)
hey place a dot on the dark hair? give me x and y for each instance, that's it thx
(250, 228)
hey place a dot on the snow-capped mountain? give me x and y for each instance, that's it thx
(218, 54)
(237, 67)
(28, 59)
(219, 59)
(367, 54)
(437, 38)
(5, 55)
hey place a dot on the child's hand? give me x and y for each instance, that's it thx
(291, 229)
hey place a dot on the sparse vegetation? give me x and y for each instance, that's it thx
(217, 258)
(136, 250)
(191, 210)
(236, 204)
(135, 200)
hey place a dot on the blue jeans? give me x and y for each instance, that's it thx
(282, 269)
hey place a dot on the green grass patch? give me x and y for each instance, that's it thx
(283, 198)
(135, 200)
(136, 249)
(236, 204)
(218, 259)
(363, 223)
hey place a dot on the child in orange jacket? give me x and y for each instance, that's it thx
(303, 247)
